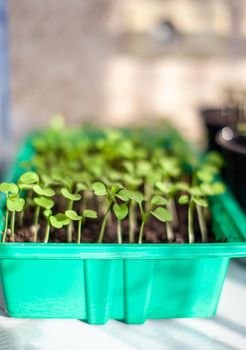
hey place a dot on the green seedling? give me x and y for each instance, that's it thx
(121, 212)
(14, 204)
(135, 198)
(28, 180)
(73, 216)
(59, 220)
(170, 171)
(44, 203)
(132, 181)
(26, 183)
(47, 214)
(169, 190)
(110, 194)
(156, 210)
(192, 201)
(9, 189)
(71, 197)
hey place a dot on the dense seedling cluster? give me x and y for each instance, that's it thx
(126, 180)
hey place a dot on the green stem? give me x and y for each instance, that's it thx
(70, 232)
(47, 232)
(172, 208)
(6, 225)
(79, 230)
(191, 224)
(12, 225)
(170, 234)
(35, 223)
(83, 202)
(102, 205)
(119, 231)
(70, 226)
(202, 223)
(147, 191)
(141, 231)
(132, 222)
(104, 222)
(21, 217)
(70, 205)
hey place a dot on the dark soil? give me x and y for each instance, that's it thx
(155, 231)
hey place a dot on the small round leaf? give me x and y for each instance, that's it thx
(183, 199)
(15, 204)
(136, 196)
(124, 195)
(44, 202)
(162, 214)
(99, 189)
(158, 200)
(59, 220)
(69, 195)
(72, 215)
(91, 214)
(121, 211)
(201, 202)
(8, 187)
(47, 192)
(47, 213)
(80, 187)
(29, 178)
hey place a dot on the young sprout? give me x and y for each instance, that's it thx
(28, 180)
(195, 199)
(111, 194)
(47, 214)
(41, 202)
(135, 198)
(183, 200)
(59, 220)
(170, 169)
(169, 190)
(132, 181)
(158, 212)
(71, 197)
(121, 212)
(82, 188)
(26, 183)
(203, 178)
(13, 204)
(73, 216)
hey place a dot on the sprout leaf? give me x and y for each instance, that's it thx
(120, 210)
(162, 214)
(91, 214)
(99, 188)
(44, 202)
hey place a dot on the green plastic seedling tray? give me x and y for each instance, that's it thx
(128, 282)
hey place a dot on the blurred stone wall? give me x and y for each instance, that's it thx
(70, 57)
(59, 52)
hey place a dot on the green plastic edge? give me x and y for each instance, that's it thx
(228, 220)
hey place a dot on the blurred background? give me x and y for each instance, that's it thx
(118, 62)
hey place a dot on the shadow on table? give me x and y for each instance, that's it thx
(237, 271)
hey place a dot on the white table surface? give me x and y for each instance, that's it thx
(226, 331)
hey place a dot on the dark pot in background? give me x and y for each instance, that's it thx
(215, 119)
(233, 146)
